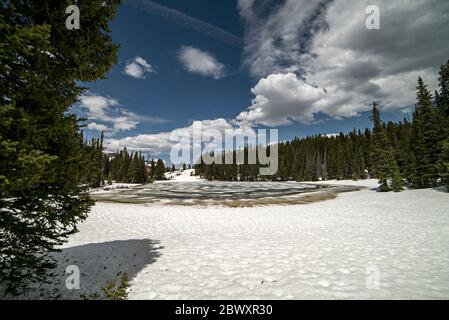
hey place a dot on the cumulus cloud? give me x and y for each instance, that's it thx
(162, 143)
(97, 127)
(318, 57)
(280, 98)
(201, 62)
(107, 110)
(138, 68)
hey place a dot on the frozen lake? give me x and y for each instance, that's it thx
(232, 194)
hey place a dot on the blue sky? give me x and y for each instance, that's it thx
(208, 60)
(171, 93)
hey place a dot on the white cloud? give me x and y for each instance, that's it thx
(97, 127)
(138, 68)
(161, 143)
(318, 57)
(201, 62)
(107, 110)
(280, 98)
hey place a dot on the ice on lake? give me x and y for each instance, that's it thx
(231, 194)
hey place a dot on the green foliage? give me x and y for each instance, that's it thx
(96, 172)
(443, 164)
(443, 94)
(159, 170)
(114, 290)
(382, 156)
(426, 134)
(125, 167)
(42, 155)
(398, 182)
(312, 158)
(443, 114)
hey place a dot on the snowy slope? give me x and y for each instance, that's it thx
(182, 176)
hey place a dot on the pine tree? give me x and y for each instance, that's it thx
(159, 170)
(443, 164)
(110, 178)
(152, 169)
(443, 96)
(42, 156)
(425, 139)
(130, 174)
(96, 163)
(383, 162)
(398, 182)
(443, 114)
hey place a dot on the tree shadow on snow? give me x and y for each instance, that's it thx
(99, 263)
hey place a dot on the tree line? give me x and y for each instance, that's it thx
(121, 167)
(410, 152)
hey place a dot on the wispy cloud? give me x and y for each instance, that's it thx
(179, 18)
(138, 68)
(108, 111)
(201, 62)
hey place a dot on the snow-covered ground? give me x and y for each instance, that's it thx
(114, 186)
(368, 183)
(362, 244)
(181, 176)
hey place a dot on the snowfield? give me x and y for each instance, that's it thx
(361, 245)
(181, 176)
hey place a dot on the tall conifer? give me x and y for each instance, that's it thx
(42, 157)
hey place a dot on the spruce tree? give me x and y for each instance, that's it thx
(425, 139)
(42, 156)
(443, 164)
(443, 95)
(110, 178)
(159, 170)
(383, 162)
(152, 169)
(398, 182)
(443, 107)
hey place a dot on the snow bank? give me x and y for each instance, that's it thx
(367, 183)
(115, 186)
